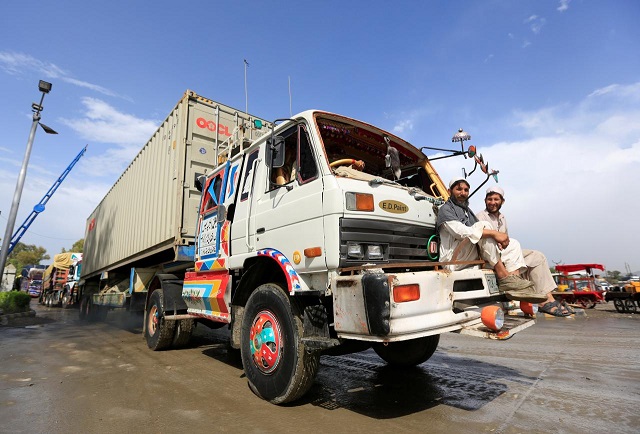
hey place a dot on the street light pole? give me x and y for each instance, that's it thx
(45, 88)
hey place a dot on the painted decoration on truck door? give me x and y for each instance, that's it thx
(208, 240)
(293, 280)
(213, 234)
(217, 263)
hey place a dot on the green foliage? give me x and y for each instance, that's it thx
(24, 254)
(613, 276)
(77, 247)
(14, 301)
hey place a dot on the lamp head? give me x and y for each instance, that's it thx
(44, 86)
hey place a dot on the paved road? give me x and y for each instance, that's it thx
(579, 375)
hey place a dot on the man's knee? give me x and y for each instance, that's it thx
(534, 258)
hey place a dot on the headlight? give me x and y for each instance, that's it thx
(375, 252)
(368, 252)
(354, 251)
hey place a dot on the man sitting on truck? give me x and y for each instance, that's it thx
(462, 234)
(537, 267)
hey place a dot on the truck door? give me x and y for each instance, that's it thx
(287, 214)
(212, 241)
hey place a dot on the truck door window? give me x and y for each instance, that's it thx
(246, 182)
(212, 194)
(288, 172)
(299, 161)
(308, 168)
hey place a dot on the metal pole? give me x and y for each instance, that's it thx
(246, 91)
(6, 241)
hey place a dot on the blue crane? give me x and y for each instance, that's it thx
(40, 206)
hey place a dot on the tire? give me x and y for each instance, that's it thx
(630, 306)
(158, 332)
(83, 308)
(618, 304)
(408, 353)
(585, 303)
(272, 324)
(66, 300)
(90, 312)
(57, 299)
(184, 330)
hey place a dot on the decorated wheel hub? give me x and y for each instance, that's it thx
(153, 320)
(266, 342)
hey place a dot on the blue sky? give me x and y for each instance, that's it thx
(549, 91)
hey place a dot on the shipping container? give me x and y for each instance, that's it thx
(149, 215)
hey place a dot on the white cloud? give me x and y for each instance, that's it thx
(535, 23)
(19, 63)
(564, 5)
(402, 126)
(103, 123)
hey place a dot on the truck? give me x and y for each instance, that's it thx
(310, 235)
(60, 280)
(34, 278)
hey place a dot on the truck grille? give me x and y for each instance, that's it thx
(401, 242)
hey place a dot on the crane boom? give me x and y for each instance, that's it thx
(41, 205)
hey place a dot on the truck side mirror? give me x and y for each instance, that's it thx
(275, 151)
(199, 182)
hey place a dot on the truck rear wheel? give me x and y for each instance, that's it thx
(277, 364)
(184, 330)
(158, 331)
(408, 353)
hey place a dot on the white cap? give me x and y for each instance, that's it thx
(458, 179)
(495, 189)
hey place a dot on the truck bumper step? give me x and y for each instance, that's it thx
(512, 325)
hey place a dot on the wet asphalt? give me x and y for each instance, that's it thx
(577, 375)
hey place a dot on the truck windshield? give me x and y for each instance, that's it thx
(347, 142)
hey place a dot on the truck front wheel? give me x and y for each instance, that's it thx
(408, 353)
(158, 331)
(277, 364)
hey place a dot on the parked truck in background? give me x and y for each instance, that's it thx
(31, 279)
(60, 280)
(315, 236)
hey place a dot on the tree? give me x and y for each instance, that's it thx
(613, 276)
(25, 254)
(77, 247)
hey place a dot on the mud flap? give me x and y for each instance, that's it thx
(512, 325)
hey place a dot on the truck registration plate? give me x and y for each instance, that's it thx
(492, 283)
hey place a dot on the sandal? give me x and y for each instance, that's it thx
(552, 308)
(568, 307)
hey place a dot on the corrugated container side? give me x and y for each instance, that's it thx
(153, 206)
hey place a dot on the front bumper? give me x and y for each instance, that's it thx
(364, 308)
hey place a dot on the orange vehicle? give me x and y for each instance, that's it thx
(578, 289)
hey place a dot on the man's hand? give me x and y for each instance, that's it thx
(501, 238)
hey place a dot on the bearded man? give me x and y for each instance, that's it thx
(537, 267)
